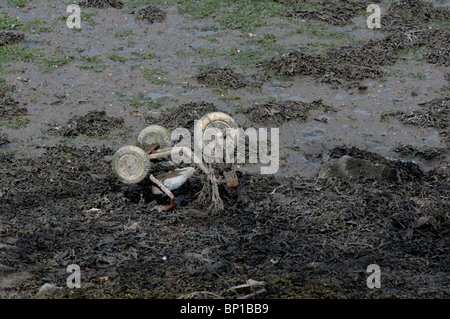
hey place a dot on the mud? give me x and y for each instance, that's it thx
(379, 97)
(151, 14)
(102, 3)
(403, 14)
(8, 37)
(226, 77)
(347, 66)
(4, 139)
(95, 123)
(279, 112)
(333, 12)
(435, 113)
(185, 115)
(427, 153)
(10, 108)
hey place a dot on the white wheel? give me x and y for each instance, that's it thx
(130, 164)
(154, 136)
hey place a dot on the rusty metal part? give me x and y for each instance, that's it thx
(166, 191)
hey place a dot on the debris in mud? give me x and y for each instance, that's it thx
(95, 123)
(9, 108)
(10, 37)
(102, 3)
(4, 139)
(59, 210)
(412, 14)
(185, 115)
(427, 153)
(333, 12)
(151, 14)
(439, 57)
(282, 111)
(327, 69)
(227, 77)
(353, 163)
(435, 113)
(355, 63)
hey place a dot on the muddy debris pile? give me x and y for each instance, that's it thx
(151, 14)
(4, 139)
(348, 65)
(428, 153)
(94, 123)
(439, 57)
(184, 116)
(352, 163)
(10, 37)
(333, 12)
(226, 77)
(102, 3)
(326, 69)
(279, 112)
(435, 113)
(412, 14)
(10, 108)
(304, 238)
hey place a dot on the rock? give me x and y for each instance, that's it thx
(47, 289)
(348, 167)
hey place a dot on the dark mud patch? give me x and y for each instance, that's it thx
(348, 65)
(369, 164)
(435, 113)
(303, 238)
(94, 123)
(4, 139)
(226, 77)
(151, 14)
(333, 12)
(10, 37)
(184, 115)
(412, 14)
(427, 153)
(439, 57)
(279, 112)
(102, 3)
(10, 108)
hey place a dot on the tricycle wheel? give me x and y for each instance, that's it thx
(221, 121)
(130, 164)
(154, 136)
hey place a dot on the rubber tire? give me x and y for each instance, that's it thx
(154, 134)
(137, 156)
(211, 118)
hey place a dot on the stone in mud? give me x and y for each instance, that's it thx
(348, 167)
(47, 289)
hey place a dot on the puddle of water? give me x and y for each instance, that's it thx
(312, 133)
(362, 112)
